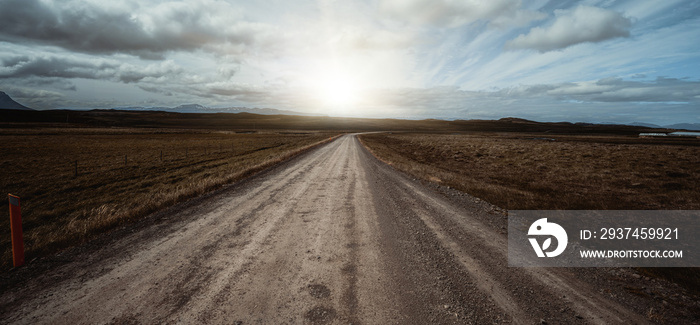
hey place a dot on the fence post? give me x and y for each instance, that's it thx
(16, 230)
(75, 174)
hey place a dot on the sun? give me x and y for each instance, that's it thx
(335, 88)
(337, 91)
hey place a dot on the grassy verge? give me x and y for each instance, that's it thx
(122, 174)
(529, 171)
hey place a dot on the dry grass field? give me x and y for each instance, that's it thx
(548, 172)
(535, 171)
(123, 174)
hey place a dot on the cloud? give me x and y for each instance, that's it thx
(56, 83)
(451, 13)
(237, 91)
(53, 67)
(146, 31)
(57, 67)
(356, 38)
(156, 90)
(162, 71)
(518, 18)
(660, 90)
(580, 25)
(216, 92)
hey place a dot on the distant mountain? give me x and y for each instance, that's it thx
(190, 108)
(684, 126)
(264, 111)
(196, 108)
(8, 103)
(649, 125)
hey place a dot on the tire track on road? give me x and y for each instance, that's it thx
(483, 252)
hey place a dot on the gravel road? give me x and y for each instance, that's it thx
(331, 237)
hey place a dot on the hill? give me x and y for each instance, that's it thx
(8, 103)
(249, 122)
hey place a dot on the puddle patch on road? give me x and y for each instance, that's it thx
(319, 291)
(320, 315)
(349, 269)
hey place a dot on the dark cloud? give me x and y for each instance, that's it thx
(148, 32)
(55, 67)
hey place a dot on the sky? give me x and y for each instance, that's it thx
(580, 61)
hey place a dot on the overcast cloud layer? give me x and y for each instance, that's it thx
(595, 61)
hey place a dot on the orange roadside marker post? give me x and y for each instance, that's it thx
(16, 229)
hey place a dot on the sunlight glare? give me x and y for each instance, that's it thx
(336, 88)
(338, 91)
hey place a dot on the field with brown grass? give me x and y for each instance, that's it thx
(535, 171)
(122, 175)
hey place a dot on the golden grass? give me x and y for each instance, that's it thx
(60, 209)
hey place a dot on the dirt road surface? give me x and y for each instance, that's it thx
(331, 237)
